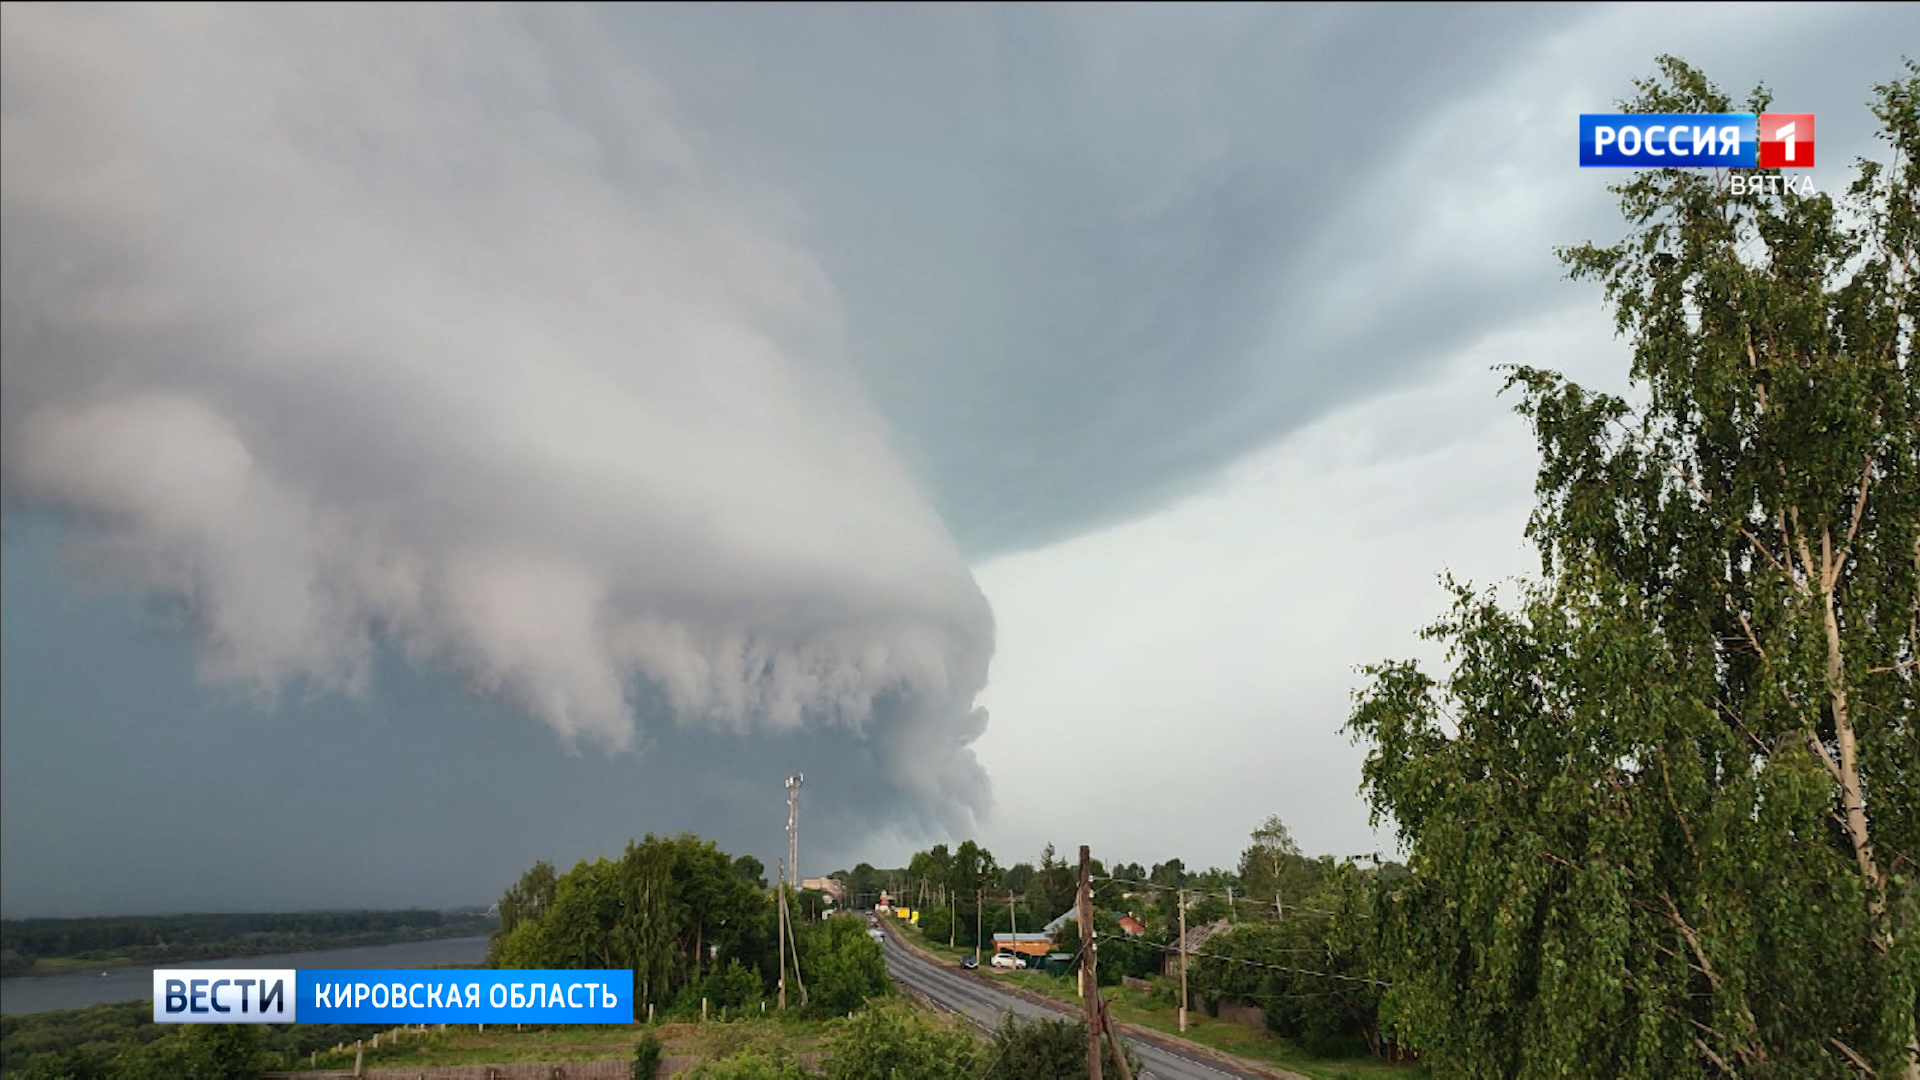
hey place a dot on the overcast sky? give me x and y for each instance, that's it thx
(435, 439)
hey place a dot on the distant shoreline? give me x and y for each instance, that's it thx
(77, 967)
(281, 941)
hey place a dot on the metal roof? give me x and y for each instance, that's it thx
(1198, 935)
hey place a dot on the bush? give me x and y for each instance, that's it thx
(646, 1057)
(733, 987)
(1045, 1050)
(753, 1065)
(900, 1043)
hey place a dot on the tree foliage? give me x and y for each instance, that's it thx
(1312, 973)
(842, 967)
(897, 1042)
(672, 910)
(1045, 1050)
(1663, 812)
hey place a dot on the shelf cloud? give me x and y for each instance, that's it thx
(430, 328)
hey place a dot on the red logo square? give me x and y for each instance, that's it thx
(1786, 140)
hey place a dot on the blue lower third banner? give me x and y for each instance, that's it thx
(207, 996)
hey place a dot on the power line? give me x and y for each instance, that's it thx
(1284, 967)
(1236, 899)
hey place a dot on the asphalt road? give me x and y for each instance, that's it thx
(985, 1004)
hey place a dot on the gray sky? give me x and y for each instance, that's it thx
(435, 439)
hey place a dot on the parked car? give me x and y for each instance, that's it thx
(1008, 960)
(969, 963)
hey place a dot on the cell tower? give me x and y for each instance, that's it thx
(793, 827)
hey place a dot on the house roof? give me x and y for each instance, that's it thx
(1023, 937)
(1198, 935)
(1127, 923)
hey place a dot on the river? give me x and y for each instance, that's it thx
(79, 989)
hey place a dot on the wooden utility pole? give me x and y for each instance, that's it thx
(979, 921)
(1119, 1049)
(1183, 959)
(780, 890)
(1089, 975)
(799, 981)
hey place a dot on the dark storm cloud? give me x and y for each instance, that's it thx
(1082, 247)
(124, 787)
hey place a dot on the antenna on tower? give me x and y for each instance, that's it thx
(793, 827)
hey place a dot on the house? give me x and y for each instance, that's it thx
(830, 886)
(1128, 923)
(1196, 939)
(1034, 945)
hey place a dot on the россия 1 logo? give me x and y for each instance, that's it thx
(1704, 141)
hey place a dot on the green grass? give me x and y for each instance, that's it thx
(940, 948)
(467, 1045)
(1141, 1010)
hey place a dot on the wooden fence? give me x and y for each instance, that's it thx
(519, 1070)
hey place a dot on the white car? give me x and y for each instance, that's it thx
(1007, 960)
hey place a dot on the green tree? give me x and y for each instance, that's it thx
(1053, 887)
(733, 987)
(1662, 814)
(863, 884)
(1272, 870)
(900, 1043)
(670, 910)
(527, 900)
(750, 870)
(938, 925)
(842, 967)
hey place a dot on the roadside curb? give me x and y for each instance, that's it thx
(1164, 1041)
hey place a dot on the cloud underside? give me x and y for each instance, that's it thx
(422, 328)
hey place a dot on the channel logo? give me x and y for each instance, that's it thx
(205, 996)
(1786, 140)
(393, 997)
(1696, 140)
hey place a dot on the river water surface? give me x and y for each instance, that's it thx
(79, 989)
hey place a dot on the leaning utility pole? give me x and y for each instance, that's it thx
(1089, 975)
(793, 826)
(799, 983)
(1182, 895)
